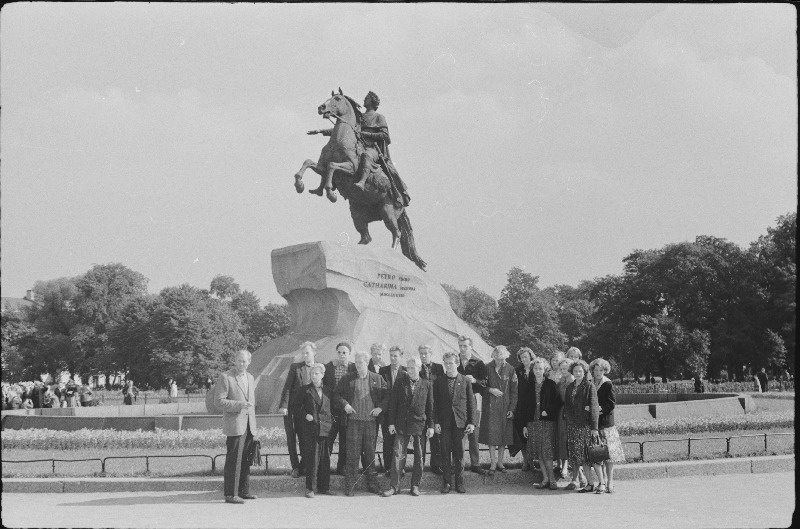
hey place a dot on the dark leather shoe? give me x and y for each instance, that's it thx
(388, 492)
(445, 489)
(309, 494)
(295, 473)
(414, 491)
(460, 489)
(248, 496)
(477, 470)
(233, 499)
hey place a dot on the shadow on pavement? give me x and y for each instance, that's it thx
(150, 499)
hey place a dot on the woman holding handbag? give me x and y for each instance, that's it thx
(609, 436)
(582, 413)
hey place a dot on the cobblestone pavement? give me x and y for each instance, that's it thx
(749, 500)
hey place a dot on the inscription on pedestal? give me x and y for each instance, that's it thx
(390, 285)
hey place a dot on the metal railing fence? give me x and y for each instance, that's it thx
(266, 456)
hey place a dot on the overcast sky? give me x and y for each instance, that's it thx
(555, 137)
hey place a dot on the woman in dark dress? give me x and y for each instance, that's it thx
(582, 413)
(544, 403)
(523, 415)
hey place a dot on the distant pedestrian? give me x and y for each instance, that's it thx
(129, 393)
(72, 394)
(763, 380)
(699, 387)
(756, 384)
(173, 388)
(86, 395)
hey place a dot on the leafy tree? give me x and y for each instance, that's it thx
(224, 287)
(102, 293)
(54, 318)
(575, 309)
(272, 321)
(526, 317)
(193, 334)
(775, 256)
(260, 325)
(480, 311)
(18, 338)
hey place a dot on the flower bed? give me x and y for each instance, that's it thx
(684, 425)
(42, 439)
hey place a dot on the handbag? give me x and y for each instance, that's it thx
(254, 456)
(597, 453)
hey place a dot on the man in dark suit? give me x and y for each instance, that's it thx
(236, 397)
(410, 416)
(363, 396)
(335, 370)
(454, 404)
(299, 376)
(431, 371)
(390, 374)
(318, 419)
(474, 370)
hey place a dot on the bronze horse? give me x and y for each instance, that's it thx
(337, 167)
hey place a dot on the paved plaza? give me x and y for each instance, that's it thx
(750, 500)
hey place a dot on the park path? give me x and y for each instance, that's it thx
(744, 500)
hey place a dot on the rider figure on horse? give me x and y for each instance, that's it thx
(374, 134)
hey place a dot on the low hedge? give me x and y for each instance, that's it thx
(685, 425)
(274, 439)
(43, 439)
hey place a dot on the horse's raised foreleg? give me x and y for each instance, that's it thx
(389, 217)
(298, 176)
(345, 167)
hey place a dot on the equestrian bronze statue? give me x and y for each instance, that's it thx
(355, 162)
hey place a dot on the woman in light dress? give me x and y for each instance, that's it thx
(599, 368)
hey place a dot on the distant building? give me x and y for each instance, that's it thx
(16, 304)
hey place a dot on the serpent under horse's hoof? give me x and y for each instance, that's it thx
(331, 195)
(298, 183)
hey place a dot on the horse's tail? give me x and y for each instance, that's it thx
(407, 241)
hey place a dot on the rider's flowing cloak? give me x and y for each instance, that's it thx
(375, 123)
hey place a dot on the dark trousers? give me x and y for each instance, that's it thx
(453, 455)
(237, 467)
(294, 437)
(361, 438)
(388, 443)
(472, 443)
(399, 452)
(339, 428)
(436, 457)
(317, 455)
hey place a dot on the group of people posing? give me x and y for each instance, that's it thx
(556, 408)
